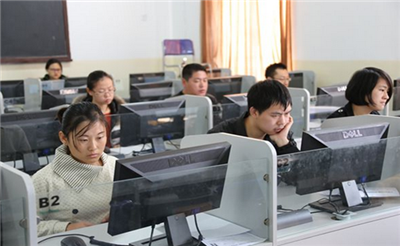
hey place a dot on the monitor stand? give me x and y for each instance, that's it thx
(337, 205)
(31, 163)
(158, 144)
(177, 234)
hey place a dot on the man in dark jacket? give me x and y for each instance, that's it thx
(268, 117)
(195, 82)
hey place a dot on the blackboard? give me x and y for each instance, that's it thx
(34, 31)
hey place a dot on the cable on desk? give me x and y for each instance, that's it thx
(366, 194)
(151, 233)
(177, 146)
(200, 239)
(137, 153)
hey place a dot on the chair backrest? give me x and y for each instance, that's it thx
(177, 47)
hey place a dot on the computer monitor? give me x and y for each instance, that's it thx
(233, 106)
(303, 79)
(340, 154)
(332, 95)
(76, 82)
(50, 85)
(55, 98)
(29, 135)
(150, 91)
(218, 72)
(218, 87)
(137, 78)
(396, 98)
(13, 92)
(152, 122)
(186, 181)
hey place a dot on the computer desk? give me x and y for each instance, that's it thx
(128, 150)
(374, 226)
(209, 225)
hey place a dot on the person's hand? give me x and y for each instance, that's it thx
(105, 219)
(280, 138)
(78, 225)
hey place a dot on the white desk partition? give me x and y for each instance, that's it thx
(199, 114)
(245, 149)
(1, 104)
(303, 79)
(247, 82)
(17, 197)
(176, 85)
(300, 111)
(33, 94)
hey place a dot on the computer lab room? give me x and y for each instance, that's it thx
(200, 123)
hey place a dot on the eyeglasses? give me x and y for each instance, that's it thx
(104, 91)
(283, 79)
(55, 69)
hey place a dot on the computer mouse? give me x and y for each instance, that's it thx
(73, 241)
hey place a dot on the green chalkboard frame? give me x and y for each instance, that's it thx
(65, 56)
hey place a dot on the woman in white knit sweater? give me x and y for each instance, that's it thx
(74, 190)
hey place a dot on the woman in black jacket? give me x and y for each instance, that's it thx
(101, 91)
(368, 92)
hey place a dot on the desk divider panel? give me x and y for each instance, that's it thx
(300, 111)
(199, 114)
(17, 202)
(251, 160)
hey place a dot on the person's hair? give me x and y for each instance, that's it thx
(77, 113)
(52, 61)
(95, 77)
(191, 68)
(362, 83)
(270, 71)
(264, 94)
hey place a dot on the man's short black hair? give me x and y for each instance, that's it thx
(360, 87)
(264, 94)
(270, 71)
(191, 68)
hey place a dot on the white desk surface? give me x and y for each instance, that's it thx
(321, 225)
(210, 227)
(322, 222)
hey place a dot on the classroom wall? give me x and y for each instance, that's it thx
(336, 38)
(120, 38)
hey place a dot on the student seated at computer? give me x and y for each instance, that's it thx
(268, 117)
(279, 72)
(54, 70)
(368, 91)
(195, 82)
(62, 201)
(101, 91)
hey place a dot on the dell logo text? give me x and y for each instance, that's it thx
(352, 134)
